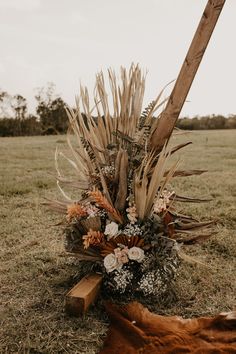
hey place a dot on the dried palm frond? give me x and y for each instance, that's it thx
(93, 223)
(186, 225)
(56, 205)
(194, 238)
(86, 254)
(125, 128)
(180, 198)
(149, 180)
(130, 241)
(122, 182)
(186, 173)
(178, 147)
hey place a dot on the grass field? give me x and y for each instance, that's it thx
(35, 275)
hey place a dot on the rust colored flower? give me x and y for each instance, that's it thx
(75, 211)
(101, 201)
(93, 238)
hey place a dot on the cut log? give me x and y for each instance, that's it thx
(83, 294)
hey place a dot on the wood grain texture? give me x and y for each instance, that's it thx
(83, 294)
(167, 121)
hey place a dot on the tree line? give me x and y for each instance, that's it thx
(214, 121)
(51, 116)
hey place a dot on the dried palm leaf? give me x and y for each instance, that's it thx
(180, 146)
(93, 223)
(123, 182)
(129, 241)
(194, 239)
(60, 207)
(186, 225)
(149, 180)
(85, 255)
(179, 198)
(182, 173)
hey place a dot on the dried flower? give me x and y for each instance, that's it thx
(101, 201)
(93, 238)
(108, 171)
(151, 283)
(92, 210)
(159, 206)
(132, 214)
(166, 196)
(122, 279)
(132, 230)
(111, 230)
(121, 255)
(162, 202)
(75, 211)
(111, 262)
(136, 254)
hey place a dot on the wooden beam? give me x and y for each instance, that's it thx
(187, 73)
(83, 294)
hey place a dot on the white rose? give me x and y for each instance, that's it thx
(111, 230)
(111, 263)
(136, 254)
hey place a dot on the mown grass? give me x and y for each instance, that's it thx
(35, 277)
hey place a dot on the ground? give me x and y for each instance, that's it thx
(36, 274)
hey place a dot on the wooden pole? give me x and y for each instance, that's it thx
(187, 73)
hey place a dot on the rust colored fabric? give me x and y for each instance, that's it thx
(135, 330)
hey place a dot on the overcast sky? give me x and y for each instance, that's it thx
(69, 41)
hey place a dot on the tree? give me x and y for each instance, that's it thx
(12, 106)
(19, 106)
(51, 110)
(5, 108)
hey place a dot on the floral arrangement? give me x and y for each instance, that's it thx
(123, 221)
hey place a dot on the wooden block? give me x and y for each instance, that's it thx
(83, 294)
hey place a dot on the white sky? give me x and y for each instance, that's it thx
(68, 41)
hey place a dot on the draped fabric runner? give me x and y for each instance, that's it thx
(134, 329)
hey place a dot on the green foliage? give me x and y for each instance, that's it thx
(207, 122)
(19, 106)
(16, 127)
(51, 111)
(51, 114)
